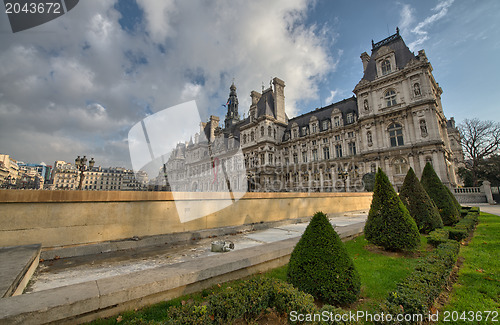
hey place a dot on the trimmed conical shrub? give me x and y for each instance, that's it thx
(454, 199)
(389, 223)
(419, 204)
(437, 192)
(321, 266)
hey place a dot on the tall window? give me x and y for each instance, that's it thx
(338, 150)
(295, 158)
(369, 138)
(386, 67)
(352, 148)
(337, 138)
(315, 154)
(304, 130)
(390, 98)
(336, 121)
(262, 159)
(400, 166)
(295, 133)
(252, 136)
(244, 138)
(270, 157)
(326, 153)
(261, 131)
(269, 131)
(373, 168)
(350, 118)
(304, 156)
(396, 134)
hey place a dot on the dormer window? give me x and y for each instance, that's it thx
(304, 130)
(390, 98)
(386, 67)
(314, 128)
(336, 121)
(325, 125)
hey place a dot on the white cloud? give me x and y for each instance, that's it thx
(48, 76)
(420, 30)
(407, 17)
(333, 94)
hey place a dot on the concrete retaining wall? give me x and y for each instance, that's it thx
(67, 218)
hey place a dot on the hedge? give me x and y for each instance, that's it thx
(321, 266)
(438, 193)
(389, 223)
(419, 204)
(416, 293)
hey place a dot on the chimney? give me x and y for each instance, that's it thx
(279, 99)
(214, 122)
(255, 97)
(365, 58)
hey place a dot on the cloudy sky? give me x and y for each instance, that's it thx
(76, 85)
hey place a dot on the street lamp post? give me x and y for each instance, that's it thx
(81, 165)
(343, 174)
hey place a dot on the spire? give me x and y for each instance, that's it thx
(232, 116)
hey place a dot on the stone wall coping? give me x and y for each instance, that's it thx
(50, 196)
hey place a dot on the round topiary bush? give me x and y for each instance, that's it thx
(437, 192)
(321, 266)
(419, 204)
(389, 223)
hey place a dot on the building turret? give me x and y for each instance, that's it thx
(232, 116)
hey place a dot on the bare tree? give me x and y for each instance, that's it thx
(480, 139)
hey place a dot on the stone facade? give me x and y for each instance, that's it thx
(394, 121)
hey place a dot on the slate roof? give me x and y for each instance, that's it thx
(265, 105)
(349, 105)
(401, 51)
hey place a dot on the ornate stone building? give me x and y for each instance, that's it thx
(394, 121)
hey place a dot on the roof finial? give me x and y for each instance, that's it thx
(397, 30)
(262, 86)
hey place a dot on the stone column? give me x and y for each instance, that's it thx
(321, 179)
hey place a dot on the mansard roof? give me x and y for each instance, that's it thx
(348, 105)
(394, 42)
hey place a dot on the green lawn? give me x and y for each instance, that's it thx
(478, 285)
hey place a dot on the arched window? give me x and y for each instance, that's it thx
(244, 138)
(269, 131)
(396, 134)
(252, 136)
(386, 67)
(400, 166)
(369, 138)
(261, 131)
(390, 98)
(423, 128)
(274, 133)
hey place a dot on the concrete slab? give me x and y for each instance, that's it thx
(17, 266)
(273, 235)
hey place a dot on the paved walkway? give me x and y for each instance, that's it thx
(493, 209)
(57, 273)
